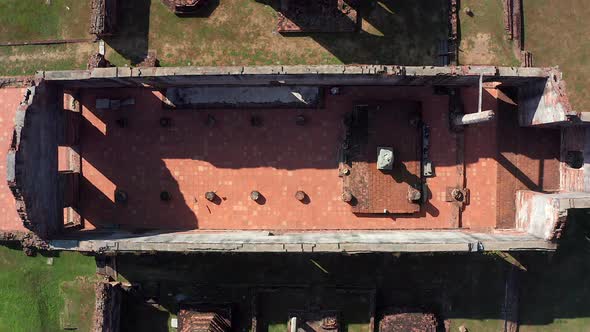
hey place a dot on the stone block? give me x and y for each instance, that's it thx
(384, 158)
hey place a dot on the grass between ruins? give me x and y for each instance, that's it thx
(556, 32)
(27, 20)
(236, 32)
(483, 38)
(37, 296)
(241, 32)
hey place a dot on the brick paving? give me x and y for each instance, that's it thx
(188, 158)
(277, 158)
(9, 101)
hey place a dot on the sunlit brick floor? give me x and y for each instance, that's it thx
(277, 159)
(9, 101)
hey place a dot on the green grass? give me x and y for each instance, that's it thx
(277, 327)
(237, 32)
(480, 325)
(241, 32)
(26, 20)
(483, 38)
(561, 38)
(34, 294)
(26, 60)
(77, 307)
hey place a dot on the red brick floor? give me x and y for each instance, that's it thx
(277, 159)
(9, 101)
(480, 163)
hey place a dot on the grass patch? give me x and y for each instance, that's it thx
(241, 32)
(277, 327)
(561, 39)
(26, 60)
(480, 325)
(34, 294)
(26, 20)
(237, 32)
(483, 38)
(78, 310)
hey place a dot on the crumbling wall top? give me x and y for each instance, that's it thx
(103, 17)
(32, 160)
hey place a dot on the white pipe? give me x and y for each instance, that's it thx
(293, 323)
(480, 93)
(473, 118)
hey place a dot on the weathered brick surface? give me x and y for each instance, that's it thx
(527, 158)
(388, 124)
(107, 309)
(204, 318)
(480, 164)
(233, 158)
(9, 101)
(573, 139)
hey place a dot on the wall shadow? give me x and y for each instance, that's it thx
(557, 282)
(131, 161)
(131, 39)
(137, 315)
(395, 31)
(455, 287)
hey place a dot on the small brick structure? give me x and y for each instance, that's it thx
(204, 318)
(97, 60)
(513, 20)
(526, 59)
(150, 60)
(314, 321)
(185, 7)
(407, 320)
(301, 16)
(454, 31)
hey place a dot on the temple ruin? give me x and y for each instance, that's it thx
(301, 158)
(310, 159)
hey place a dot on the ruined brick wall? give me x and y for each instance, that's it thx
(103, 17)
(16, 81)
(454, 31)
(407, 319)
(183, 6)
(544, 102)
(107, 309)
(544, 215)
(32, 172)
(513, 20)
